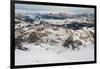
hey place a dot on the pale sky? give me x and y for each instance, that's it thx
(33, 8)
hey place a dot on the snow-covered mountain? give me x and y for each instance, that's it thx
(54, 37)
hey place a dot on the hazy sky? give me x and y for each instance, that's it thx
(47, 8)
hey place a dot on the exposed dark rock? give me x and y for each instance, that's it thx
(53, 42)
(33, 37)
(77, 44)
(40, 29)
(70, 42)
(42, 34)
(18, 44)
(28, 19)
(92, 33)
(76, 25)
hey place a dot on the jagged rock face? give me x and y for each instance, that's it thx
(42, 34)
(77, 43)
(40, 29)
(84, 35)
(53, 33)
(33, 37)
(19, 45)
(68, 41)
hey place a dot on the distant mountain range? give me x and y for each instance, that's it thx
(51, 15)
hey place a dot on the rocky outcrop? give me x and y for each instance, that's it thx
(54, 33)
(19, 45)
(33, 37)
(68, 42)
(73, 43)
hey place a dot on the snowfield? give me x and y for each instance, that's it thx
(43, 54)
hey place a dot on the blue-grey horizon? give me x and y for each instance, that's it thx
(65, 9)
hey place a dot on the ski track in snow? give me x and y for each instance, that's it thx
(43, 54)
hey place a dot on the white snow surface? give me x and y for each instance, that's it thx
(46, 54)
